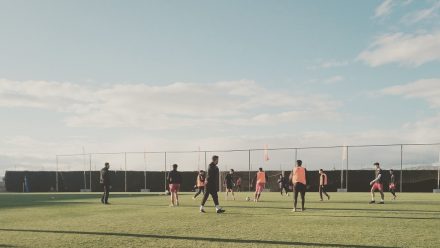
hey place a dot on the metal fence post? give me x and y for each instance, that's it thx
(165, 171)
(206, 165)
(90, 168)
(125, 174)
(249, 170)
(56, 175)
(401, 168)
(346, 173)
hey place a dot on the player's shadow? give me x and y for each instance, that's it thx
(206, 239)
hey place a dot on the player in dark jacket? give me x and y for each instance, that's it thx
(104, 179)
(211, 186)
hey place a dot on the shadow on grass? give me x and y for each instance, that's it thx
(207, 239)
(36, 200)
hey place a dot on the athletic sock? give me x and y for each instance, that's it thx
(201, 207)
(217, 207)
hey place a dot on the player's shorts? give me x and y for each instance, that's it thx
(229, 186)
(175, 187)
(299, 187)
(259, 187)
(392, 186)
(377, 186)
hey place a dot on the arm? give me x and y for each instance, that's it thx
(377, 179)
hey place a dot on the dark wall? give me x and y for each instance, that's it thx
(73, 181)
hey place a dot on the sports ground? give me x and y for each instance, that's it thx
(145, 220)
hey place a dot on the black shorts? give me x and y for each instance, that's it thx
(299, 187)
(229, 186)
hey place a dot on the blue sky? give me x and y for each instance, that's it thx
(158, 75)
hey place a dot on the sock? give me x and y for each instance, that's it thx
(217, 207)
(201, 207)
(372, 199)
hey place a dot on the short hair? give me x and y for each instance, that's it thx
(260, 169)
(215, 157)
(391, 170)
(299, 162)
(106, 163)
(377, 163)
(174, 166)
(232, 170)
(321, 170)
(201, 171)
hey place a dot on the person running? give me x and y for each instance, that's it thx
(211, 186)
(393, 184)
(104, 179)
(323, 180)
(299, 181)
(238, 184)
(377, 184)
(261, 179)
(174, 181)
(283, 183)
(229, 183)
(200, 184)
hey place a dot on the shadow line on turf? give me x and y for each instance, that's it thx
(156, 236)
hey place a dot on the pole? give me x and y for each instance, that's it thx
(84, 173)
(346, 173)
(90, 176)
(401, 168)
(249, 170)
(438, 177)
(56, 175)
(145, 170)
(165, 172)
(125, 174)
(205, 162)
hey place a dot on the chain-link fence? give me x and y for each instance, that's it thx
(350, 167)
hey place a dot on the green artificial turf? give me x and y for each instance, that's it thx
(146, 220)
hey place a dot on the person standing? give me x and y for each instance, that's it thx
(283, 184)
(174, 181)
(299, 181)
(377, 184)
(261, 179)
(229, 183)
(200, 184)
(323, 180)
(393, 184)
(238, 184)
(104, 179)
(212, 186)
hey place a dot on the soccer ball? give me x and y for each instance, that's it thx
(248, 198)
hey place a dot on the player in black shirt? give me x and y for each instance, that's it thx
(229, 183)
(377, 184)
(174, 181)
(393, 184)
(211, 186)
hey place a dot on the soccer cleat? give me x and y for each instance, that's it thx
(202, 211)
(220, 211)
(303, 209)
(294, 210)
(371, 202)
(381, 202)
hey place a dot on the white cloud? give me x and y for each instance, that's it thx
(404, 49)
(426, 89)
(383, 9)
(334, 79)
(423, 14)
(177, 105)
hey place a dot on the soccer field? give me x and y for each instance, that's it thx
(145, 220)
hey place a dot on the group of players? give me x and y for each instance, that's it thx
(207, 183)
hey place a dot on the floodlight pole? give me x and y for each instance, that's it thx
(145, 171)
(206, 161)
(401, 168)
(56, 175)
